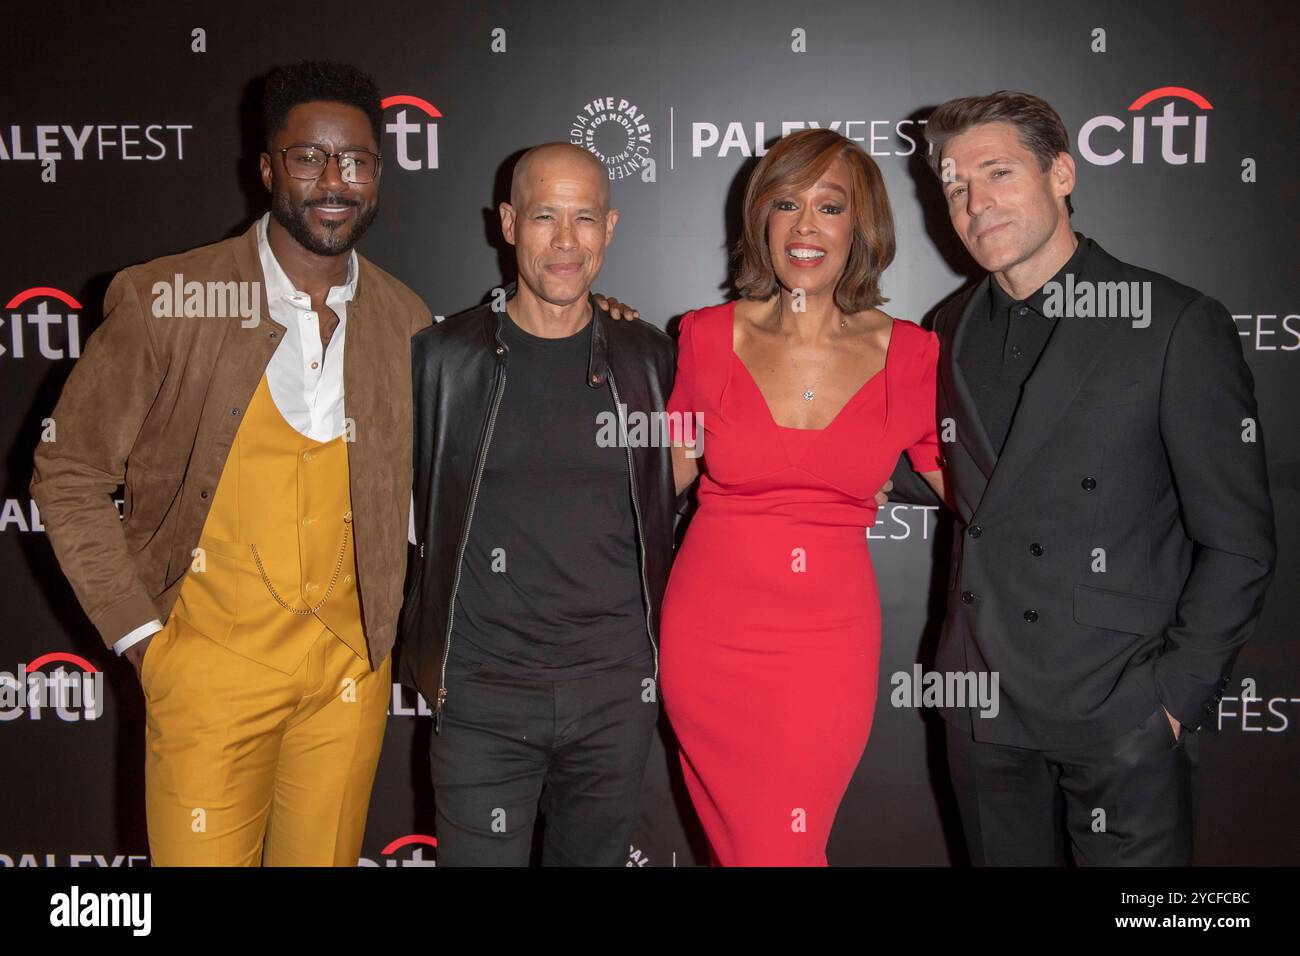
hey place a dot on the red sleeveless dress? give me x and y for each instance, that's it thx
(771, 622)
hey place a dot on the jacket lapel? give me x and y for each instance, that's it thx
(245, 350)
(1070, 355)
(970, 428)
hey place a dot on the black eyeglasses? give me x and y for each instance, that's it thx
(356, 166)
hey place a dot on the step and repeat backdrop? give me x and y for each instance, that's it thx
(130, 131)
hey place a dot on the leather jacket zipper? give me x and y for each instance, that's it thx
(636, 511)
(460, 555)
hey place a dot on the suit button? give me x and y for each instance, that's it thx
(1088, 484)
(1031, 616)
(595, 379)
(500, 350)
(1036, 549)
(967, 597)
(943, 460)
(203, 494)
(976, 531)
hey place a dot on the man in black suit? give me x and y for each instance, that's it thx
(1114, 533)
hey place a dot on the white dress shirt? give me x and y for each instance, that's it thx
(306, 381)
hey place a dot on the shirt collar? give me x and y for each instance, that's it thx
(278, 285)
(1001, 300)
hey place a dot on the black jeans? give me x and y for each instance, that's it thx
(576, 748)
(1126, 802)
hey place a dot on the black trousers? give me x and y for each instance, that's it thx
(574, 749)
(1126, 802)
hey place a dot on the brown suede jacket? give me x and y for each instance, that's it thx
(154, 402)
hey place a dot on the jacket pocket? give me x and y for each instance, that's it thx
(151, 650)
(1117, 611)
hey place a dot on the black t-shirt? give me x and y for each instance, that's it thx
(550, 585)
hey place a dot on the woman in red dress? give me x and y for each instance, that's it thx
(806, 394)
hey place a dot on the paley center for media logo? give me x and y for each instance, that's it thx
(70, 695)
(617, 133)
(416, 136)
(1108, 148)
(32, 330)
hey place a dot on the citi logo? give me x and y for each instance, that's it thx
(69, 695)
(1168, 121)
(414, 155)
(52, 335)
(404, 851)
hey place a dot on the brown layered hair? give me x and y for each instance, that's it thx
(792, 165)
(1038, 125)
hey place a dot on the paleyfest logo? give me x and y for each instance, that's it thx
(615, 131)
(37, 326)
(72, 696)
(417, 139)
(1168, 121)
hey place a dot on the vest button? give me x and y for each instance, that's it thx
(967, 597)
(306, 522)
(347, 579)
(309, 586)
(1031, 616)
(1088, 484)
(234, 411)
(1036, 549)
(306, 456)
(347, 518)
(595, 379)
(203, 494)
(975, 531)
(500, 350)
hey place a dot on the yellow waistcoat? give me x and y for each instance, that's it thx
(278, 537)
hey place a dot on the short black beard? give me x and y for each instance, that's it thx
(294, 220)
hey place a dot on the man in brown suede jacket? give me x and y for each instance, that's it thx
(254, 397)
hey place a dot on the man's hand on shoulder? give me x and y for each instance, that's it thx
(616, 309)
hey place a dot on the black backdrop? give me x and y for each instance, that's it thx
(127, 135)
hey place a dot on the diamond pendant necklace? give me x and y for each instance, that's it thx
(809, 391)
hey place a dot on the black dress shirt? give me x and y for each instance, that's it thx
(1003, 344)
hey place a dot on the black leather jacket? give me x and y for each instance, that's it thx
(460, 371)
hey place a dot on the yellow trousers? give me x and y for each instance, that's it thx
(248, 766)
